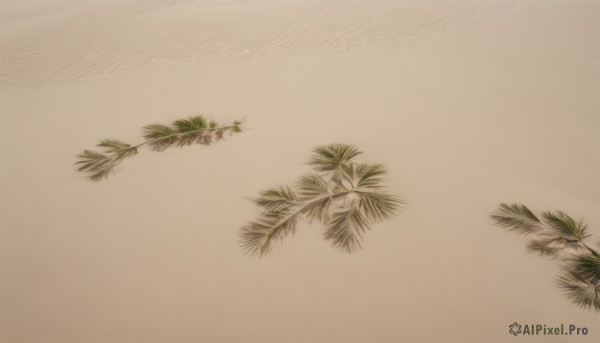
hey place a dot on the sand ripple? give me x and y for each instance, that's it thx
(96, 38)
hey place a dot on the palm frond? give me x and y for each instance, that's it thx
(330, 157)
(587, 266)
(516, 217)
(193, 130)
(584, 293)
(98, 166)
(345, 229)
(312, 185)
(113, 145)
(342, 195)
(190, 124)
(277, 199)
(564, 225)
(156, 131)
(257, 237)
(553, 233)
(159, 137)
(545, 247)
(315, 190)
(378, 206)
(369, 175)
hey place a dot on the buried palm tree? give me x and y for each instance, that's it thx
(193, 130)
(554, 233)
(343, 195)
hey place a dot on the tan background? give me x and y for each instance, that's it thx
(469, 104)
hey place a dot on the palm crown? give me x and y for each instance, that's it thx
(342, 194)
(193, 130)
(552, 234)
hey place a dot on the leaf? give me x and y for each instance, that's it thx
(98, 166)
(545, 247)
(582, 292)
(516, 217)
(587, 266)
(190, 124)
(330, 157)
(193, 137)
(564, 225)
(113, 145)
(258, 236)
(378, 206)
(312, 185)
(369, 175)
(193, 130)
(333, 198)
(345, 230)
(277, 199)
(159, 137)
(156, 131)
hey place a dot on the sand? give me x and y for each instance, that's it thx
(468, 103)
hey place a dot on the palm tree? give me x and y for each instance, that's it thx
(183, 132)
(553, 234)
(342, 194)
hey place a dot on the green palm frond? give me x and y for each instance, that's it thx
(330, 157)
(564, 225)
(277, 199)
(312, 185)
(257, 237)
(516, 217)
(545, 247)
(554, 232)
(159, 137)
(345, 229)
(344, 197)
(193, 130)
(582, 292)
(369, 175)
(98, 166)
(156, 131)
(190, 124)
(319, 209)
(587, 266)
(378, 206)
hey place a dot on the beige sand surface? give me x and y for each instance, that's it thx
(469, 103)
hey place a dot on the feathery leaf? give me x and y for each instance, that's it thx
(516, 217)
(554, 232)
(257, 236)
(277, 199)
(564, 225)
(330, 157)
(156, 131)
(345, 230)
(369, 175)
(587, 266)
(378, 206)
(545, 247)
(312, 185)
(190, 124)
(343, 197)
(582, 292)
(193, 130)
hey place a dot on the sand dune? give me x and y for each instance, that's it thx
(95, 38)
(469, 103)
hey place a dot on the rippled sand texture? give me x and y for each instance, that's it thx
(84, 39)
